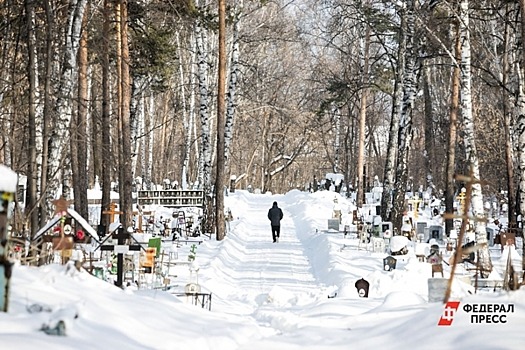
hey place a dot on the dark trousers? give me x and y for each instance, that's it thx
(276, 230)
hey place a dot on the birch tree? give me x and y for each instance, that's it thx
(232, 86)
(392, 148)
(365, 52)
(221, 110)
(405, 120)
(204, 177)
(520, 122)
(452, 133)
(484, 260)
(63, 106)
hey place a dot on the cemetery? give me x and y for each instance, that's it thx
(158, 252)
(422, 237)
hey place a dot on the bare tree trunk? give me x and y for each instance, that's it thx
(188, 110)
(79, 139)
(32, 70)
(232, 89)
(452, 135)
(362, 122)
(221, 110)
(136, 120)
(429, 123)
(204, 177)
(126, 173)
(392, 148)
(484, 260)
(106, 123)
(405, 121)
(521, 127)
(507, 115)
(63, 106)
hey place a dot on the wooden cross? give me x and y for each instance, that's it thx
(61, 206)
(415, 202)
(112, 211)
(470, 180)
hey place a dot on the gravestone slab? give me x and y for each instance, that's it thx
(420, 228)
(378, 245)
(389, 263)
(435, 232)
(333, 224)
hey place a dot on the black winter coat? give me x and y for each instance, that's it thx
(275, 214)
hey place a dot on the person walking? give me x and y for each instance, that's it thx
(275, 215)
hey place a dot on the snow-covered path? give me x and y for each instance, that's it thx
(260, 273)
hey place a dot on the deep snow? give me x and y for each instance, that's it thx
(295, 294)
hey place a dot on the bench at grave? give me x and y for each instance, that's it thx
(198, 298)
(422, 250)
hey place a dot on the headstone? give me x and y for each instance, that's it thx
(435, 260)
(437, 288)
(435, 232)
(386, 229)
(333, 224)
(362, 287)
(490, 236)
(233, 178)
(378, 245)
(389, 263)
(192, 288)
(420, 228)
(363, 237)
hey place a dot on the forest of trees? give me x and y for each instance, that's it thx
(125, 91)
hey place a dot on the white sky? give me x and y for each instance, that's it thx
(264, 295)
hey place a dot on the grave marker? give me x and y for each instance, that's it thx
(362, 287)
(378, 245)
(333, 224)
(120, 248)
(112, 212)
(389, 263)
